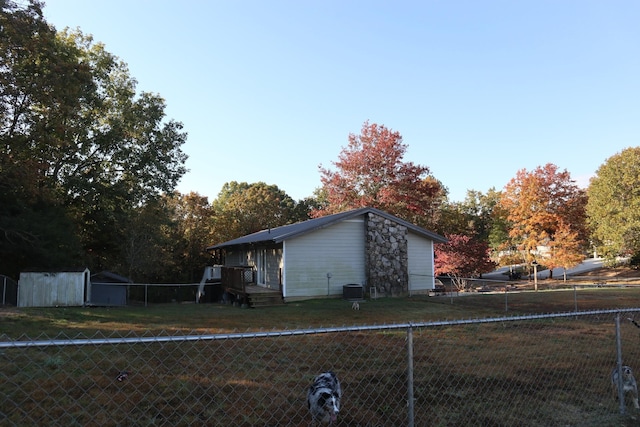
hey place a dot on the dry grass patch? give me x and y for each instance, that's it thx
(551, 372)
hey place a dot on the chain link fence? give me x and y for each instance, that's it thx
(540, 370)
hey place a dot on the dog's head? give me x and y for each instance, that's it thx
(627, 373)
(330, 402)
(323, 398)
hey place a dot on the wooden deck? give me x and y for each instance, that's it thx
(257, 296)
(241, 282)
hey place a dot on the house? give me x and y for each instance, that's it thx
(109, 289)
(54, 288)
(320, 257)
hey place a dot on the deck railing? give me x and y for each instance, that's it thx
(237, 278)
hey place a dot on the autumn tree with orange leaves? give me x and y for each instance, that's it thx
(567, 248)
(371, 172)
(546, 209)
(461, 258)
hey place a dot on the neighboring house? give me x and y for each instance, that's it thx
(54, 288)
(318, 257)
(109, 289)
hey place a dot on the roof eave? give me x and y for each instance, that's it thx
(279, 238)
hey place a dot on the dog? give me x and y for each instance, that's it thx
(355, 305)
(323, 398)
(628, 384)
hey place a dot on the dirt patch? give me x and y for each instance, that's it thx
(10, 312)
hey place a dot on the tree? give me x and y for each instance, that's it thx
(613, 207)
(192, 216)
(243, 208)
(371, 172)
(567, 248)
(461, 258)
(75, 136)
(475, 216)
(35, 228)
(163, 240)
(538, 204)
(123, 155)
(147, 243)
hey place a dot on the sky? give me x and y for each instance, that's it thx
(270, 90)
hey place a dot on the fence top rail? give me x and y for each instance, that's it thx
(297, 332)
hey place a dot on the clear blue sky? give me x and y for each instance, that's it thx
(269, 90)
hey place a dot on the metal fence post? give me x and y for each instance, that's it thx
(506, 298)
(410, 401)
(476, 368)
(619, 366)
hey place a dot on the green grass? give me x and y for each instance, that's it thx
(213, 318)
(542, 372)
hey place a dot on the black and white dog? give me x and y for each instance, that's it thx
(323, 398)
(628, 384)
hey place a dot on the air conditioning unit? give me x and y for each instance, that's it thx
(353, 292)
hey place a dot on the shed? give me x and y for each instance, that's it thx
(318, 257)
(9, 291)
(54, 288)
(109, 289)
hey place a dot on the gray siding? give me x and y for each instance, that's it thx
(338, 249)
(108, 294)
(236, 257)
(420, 264)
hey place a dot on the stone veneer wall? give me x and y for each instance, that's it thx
(387, 256)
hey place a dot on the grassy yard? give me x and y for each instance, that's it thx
(213, 318)
(528, 373)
